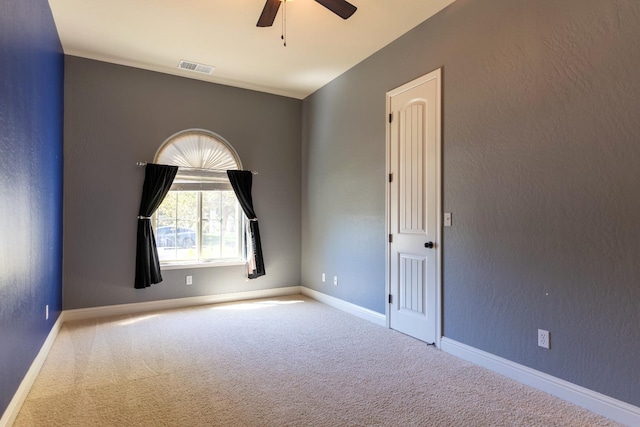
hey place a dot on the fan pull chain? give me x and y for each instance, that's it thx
(284, 23)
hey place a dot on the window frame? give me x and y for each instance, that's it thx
(241, 224)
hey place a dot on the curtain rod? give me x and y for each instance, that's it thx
(194, 169)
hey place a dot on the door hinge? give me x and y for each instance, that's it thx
(390, 177)
(390, 299)
(390, 238)
(390, 117)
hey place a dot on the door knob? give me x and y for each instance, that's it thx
(428, 245)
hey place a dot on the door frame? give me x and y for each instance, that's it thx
(437, 75)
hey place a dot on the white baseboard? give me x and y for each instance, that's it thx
(356, 310)
(11, 413)
(606, 406)
(142, 307)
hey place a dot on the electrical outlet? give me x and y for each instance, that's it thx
(46, 312)
(543, 339)
(189, 280)
(323, 278)
(335, 280)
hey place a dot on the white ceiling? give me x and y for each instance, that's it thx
(157, 34)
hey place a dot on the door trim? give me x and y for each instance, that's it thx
(437, 75)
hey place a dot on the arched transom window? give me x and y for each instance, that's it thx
(200, 221)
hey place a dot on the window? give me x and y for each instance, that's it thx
(200, 221)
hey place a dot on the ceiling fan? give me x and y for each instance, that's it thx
(341, 8)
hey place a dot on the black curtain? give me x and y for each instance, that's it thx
(157, 182)
(241, 182)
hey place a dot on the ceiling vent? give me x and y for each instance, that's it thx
(198, 68)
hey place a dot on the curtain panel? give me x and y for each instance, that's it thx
(157, 182)
(241, 181)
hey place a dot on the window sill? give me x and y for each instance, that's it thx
(189, 265)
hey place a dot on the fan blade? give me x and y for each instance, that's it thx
(342, 8)
(269, 13)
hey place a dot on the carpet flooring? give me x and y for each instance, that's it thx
(284, 362)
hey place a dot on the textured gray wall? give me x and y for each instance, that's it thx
(541, 146)
(116, 116)
(343, 192)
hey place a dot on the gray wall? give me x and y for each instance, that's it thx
(541, 146)
(343, 192)
(116, 116)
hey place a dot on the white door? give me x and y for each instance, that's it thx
(414, 208)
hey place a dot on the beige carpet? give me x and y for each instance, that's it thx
(285, 362)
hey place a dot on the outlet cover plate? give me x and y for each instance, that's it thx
(543, 339)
